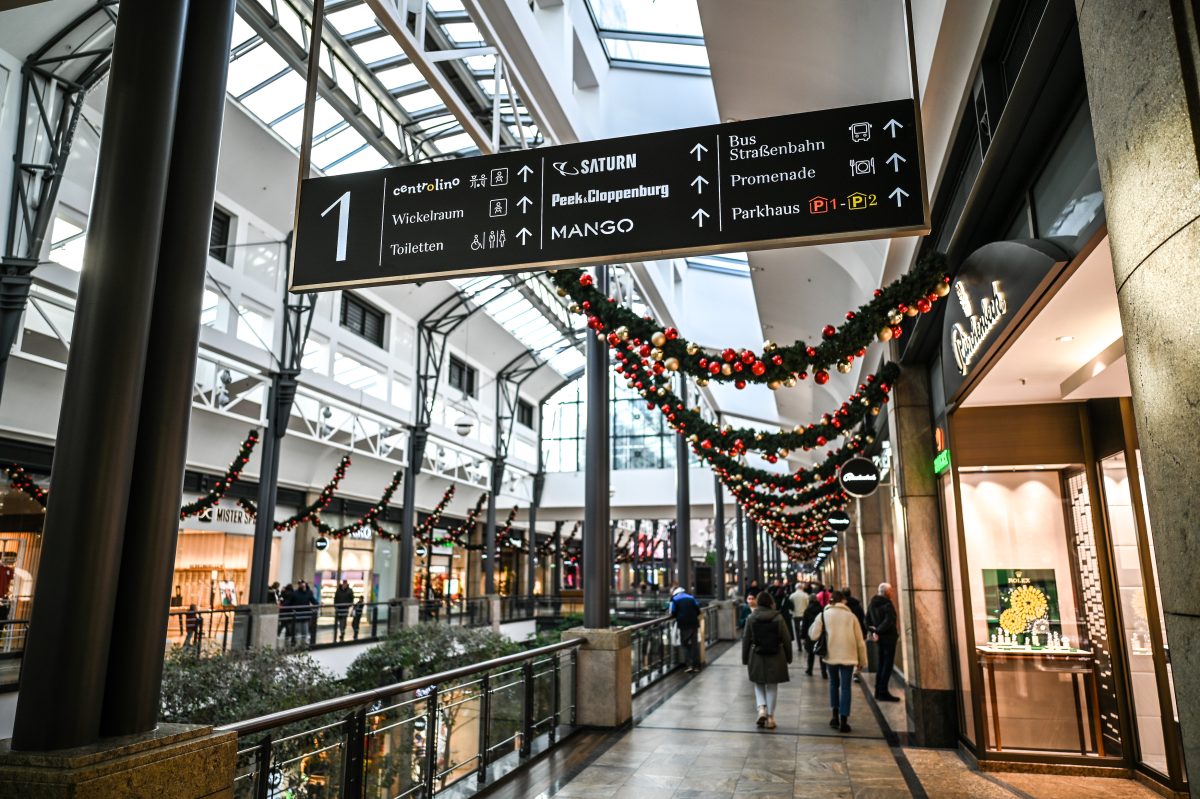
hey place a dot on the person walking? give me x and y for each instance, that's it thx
(799, 600)
(766, 654)
(881, 624)
(294, 610)
(343, 598)
(177, 607)
(685, 610)
(823, 595)
(308, 605)
(356, 614)
(845, 651)
(745, 609)
(285, 613)
(857, 609)
(195, 627)
(810, 614)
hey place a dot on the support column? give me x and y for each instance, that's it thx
(1144, 94)
(868, 519)
(408, 514)
(556, 578)
(683, 503)
(751, 552)
(719, 535)
(924, 621)
(539, 483)
(135, 663)
(741, 562)
(489, 532)
(59, 705)
(597, 538)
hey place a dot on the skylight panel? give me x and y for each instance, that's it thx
(324, 118)
(277, 98)
(445, 6)
(242, 32)
(675, 17)
(463, 33)
(336, 147)
(372, 51)
(420, 101)
(289, 20)
(353, 19)
(364, 160)
(252, 68)
(455, 143)
(688, 55)
(399, 76)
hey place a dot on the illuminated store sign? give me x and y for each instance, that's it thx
(859, 477)
(967, 343)
(942, 462)
(838, 520)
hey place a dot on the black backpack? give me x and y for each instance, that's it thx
(766, 636)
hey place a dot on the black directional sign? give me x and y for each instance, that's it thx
(834, 175)
(838, 520)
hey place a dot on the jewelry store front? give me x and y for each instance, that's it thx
(1061, 648)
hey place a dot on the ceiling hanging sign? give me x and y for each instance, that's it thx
(994, 286)
(839, 520)
(841, 174)
(859, 477)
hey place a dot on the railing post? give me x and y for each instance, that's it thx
(354, 729)
(527, 713)
(555, 708)
(485, 721)
(431, 741)
(262, 766)
(574, 680)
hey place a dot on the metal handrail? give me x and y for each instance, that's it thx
(647, 624)
(293, 715)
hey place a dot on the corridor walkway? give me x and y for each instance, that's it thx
(701, 743)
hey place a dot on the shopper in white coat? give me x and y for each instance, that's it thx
(845, 651)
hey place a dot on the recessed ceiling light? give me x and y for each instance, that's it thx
(1065, 338)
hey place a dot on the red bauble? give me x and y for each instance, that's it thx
(923, 305)
(811, 352)
(728, 355)
(772, 459)
(613, 339)
(758, 368)
(897, 331)
(650, 406)
(659, 368)
(821, 376)
(706, 444)
(737, 367)
(585, 279)
(849, 315)
(829, 331)
(747, 357)
(671, 333)
(739, 384)
(714, 368)
(777, 360)
(822, 441)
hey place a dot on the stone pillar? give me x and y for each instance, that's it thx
(727, 620)
(869, 514)
(604, 681)
(922, 595)
(175, 761)
(405, 612)
(493, 603)
(1143, 84)
(256, 627)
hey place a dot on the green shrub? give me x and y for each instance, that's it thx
(240, 685)
(422, 650)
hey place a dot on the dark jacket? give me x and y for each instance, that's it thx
(806, 619)
(767, 668)
(300, 602)
(685, 610)
(343, 598)
(857, 609)
(881, 618)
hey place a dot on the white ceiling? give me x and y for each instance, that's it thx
(1037, 365)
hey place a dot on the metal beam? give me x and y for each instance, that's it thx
(597, 538)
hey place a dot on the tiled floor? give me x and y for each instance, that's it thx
(702, 743)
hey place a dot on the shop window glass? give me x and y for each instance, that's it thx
(1135, 618)
(1033, 576)
(1067, 199)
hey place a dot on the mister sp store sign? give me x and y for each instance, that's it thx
(833, 175)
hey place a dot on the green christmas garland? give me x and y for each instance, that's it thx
(369, 519)
(312, 510)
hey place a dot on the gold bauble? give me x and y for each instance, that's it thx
(672, 364)
(658, 338)
(561, 291)
(662, 391)
(774, 385)
(702, 381)
(693, 438)
(844, 367)
(798, 429)
(895, 318)
(911, 311)
(696, 409)
(865, 401)
(656, 354)
(885, 334)
(768, 346)
(942, 289)
(783, 453)
(622, 333)
(790, 382)
(726, 369)
(575, 308)
(875, 411)
(758, 436)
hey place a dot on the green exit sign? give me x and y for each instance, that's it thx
(941, 462)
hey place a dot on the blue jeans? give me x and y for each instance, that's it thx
(840, 680)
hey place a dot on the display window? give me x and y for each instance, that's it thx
(212, 570)
(351, 559)
(1060, 642)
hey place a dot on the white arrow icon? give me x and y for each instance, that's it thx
(699, 183)
(523, 234)
(891, 127)
(699, 216)
(698, 149)
(524, 204)
(895, 159)
(898, 194)
(525, 172)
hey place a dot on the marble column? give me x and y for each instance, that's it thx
(1143, 81)
(921, 593)
(868, 521)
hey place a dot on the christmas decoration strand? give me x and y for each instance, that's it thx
(426, 531)
(19, 479)
(225, 482)
(308, 512)
(459, 534)
(369, 519)
(777, 366)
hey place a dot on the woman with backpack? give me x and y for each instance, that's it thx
(836, 631)
(766, 652)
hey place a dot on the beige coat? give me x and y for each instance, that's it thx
(846, 645)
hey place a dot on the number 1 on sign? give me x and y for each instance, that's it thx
(343, 223)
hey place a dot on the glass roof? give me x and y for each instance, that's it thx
(651, 34)
(383, 115)
(528, 309)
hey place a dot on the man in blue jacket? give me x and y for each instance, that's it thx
(686, 612)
